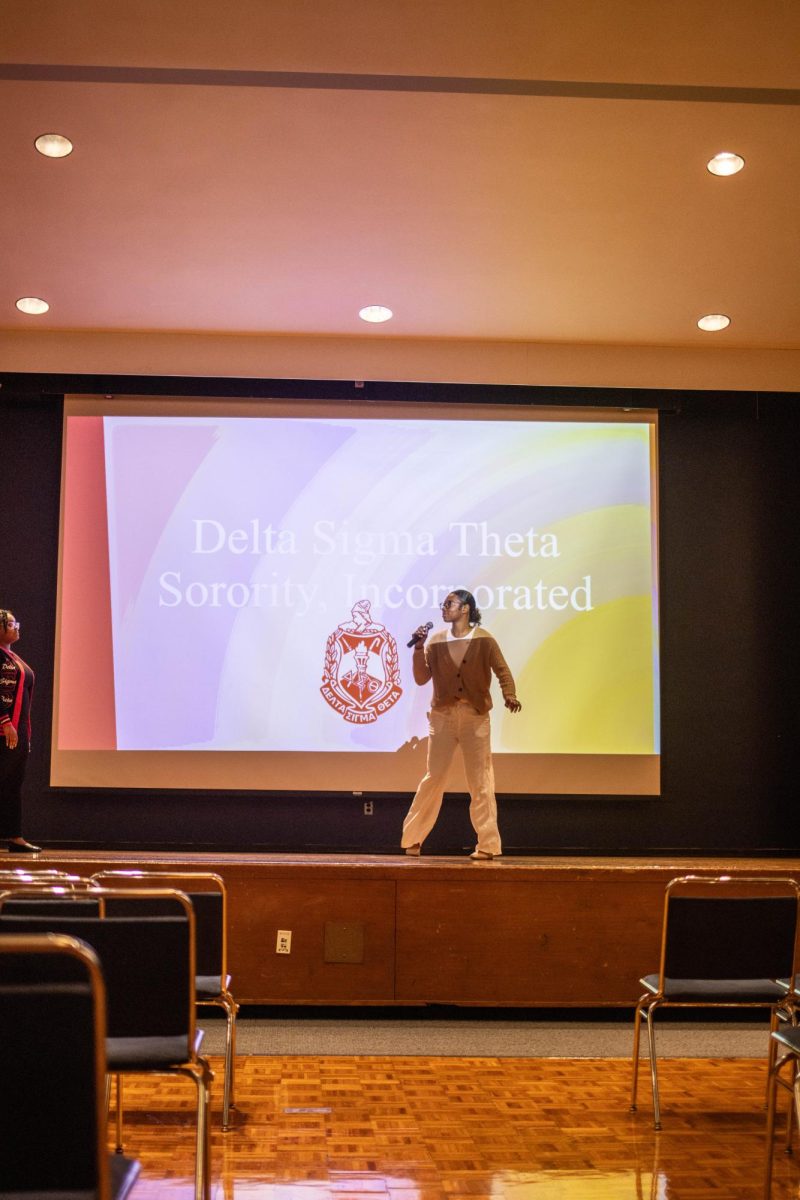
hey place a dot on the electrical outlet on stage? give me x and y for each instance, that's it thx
(283, 944)
(368, 810)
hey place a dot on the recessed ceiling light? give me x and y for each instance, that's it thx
(375, 313)
(53, 145)
(725, 163)
(713, 322)
(32, 305)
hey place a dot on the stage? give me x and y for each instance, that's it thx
(391, 930)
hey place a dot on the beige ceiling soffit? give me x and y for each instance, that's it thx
(311, 80)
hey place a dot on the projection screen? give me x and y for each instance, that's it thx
(238, 582)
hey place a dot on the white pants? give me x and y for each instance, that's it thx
(461, 726)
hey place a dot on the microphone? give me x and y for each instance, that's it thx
(427, 627)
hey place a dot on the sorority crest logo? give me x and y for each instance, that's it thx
(361, 677)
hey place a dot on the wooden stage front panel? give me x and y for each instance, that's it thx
(391, 930)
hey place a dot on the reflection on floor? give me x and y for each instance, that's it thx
(365, 1128)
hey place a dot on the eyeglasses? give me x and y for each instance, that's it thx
(452, 604)
(11, 624)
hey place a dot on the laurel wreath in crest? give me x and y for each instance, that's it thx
(392, 662)
(331, 659)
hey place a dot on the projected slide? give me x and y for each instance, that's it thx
(240, 590)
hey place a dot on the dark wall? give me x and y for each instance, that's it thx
(729, 567)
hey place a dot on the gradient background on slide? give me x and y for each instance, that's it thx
(84, 709)
(248, 678)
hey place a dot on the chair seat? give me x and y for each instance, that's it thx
(718, 991)
(788, 1036)
(123, 1172)
(209, 987)
(90, 1194)
(130, 1053)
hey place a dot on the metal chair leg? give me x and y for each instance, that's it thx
(791, 1109)
(203, 1184)
(796, 1095)
(772, 1089)
(637, 1032)
(202, 1187)
(776, 1016)
(228, 1099)
(651, 1039)
(118, 1147)
(201, 1075)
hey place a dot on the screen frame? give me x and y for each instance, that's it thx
(644, 780)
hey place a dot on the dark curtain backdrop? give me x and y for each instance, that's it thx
(729, 648)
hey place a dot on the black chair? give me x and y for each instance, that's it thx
(52, 1047)
(725, 944)
(212, 983)
(147, 958)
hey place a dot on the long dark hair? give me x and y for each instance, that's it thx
(467, 598)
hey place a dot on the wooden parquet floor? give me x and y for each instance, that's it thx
(382, 1128)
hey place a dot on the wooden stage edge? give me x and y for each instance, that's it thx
(392, 930)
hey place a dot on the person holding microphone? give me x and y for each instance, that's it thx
(460, 660)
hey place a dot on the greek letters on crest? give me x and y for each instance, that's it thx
(361, 676)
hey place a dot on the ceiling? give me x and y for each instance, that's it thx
(527, 170)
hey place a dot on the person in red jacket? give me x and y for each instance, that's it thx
(16, 690)
(460, 660)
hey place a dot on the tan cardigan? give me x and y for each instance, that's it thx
(471, 680)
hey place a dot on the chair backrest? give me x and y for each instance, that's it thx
(730, 928)
(68, 904)
(52, 1050)
(209, 898)
(30, 877)
(147, 955)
